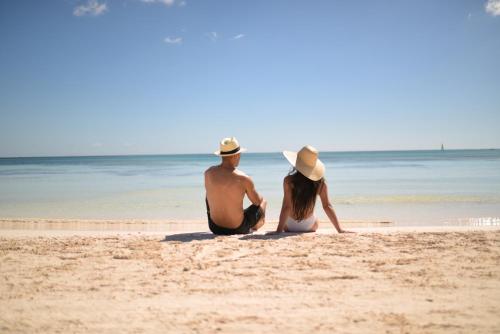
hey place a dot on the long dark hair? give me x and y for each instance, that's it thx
(304, 193)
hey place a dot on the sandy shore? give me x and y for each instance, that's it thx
(382, 280)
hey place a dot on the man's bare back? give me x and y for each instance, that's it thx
(226, 187)
(225, 192)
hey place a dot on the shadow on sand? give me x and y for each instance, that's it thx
(198, 236)
(188, 237)
(268, 236)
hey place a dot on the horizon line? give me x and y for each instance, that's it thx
(268, 152)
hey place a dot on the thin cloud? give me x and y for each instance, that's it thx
(212, 36)
(167, 3)
(493, 7)
(92, 8)
(238, 36)
(173, 40)
(182, 3)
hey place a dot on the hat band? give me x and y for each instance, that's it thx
(230, 152)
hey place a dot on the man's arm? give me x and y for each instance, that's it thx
(252, 194)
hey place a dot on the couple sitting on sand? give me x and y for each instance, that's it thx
(226, 186)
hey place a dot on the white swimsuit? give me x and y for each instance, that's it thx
(303, 225)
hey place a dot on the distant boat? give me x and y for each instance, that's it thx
(442, 147)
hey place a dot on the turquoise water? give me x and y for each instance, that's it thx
(404, 187)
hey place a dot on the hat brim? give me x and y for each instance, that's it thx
(241, 150)
(314, 173)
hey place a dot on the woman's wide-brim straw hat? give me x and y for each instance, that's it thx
(229, 147)
(306, 162)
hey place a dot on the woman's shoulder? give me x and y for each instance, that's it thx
(322, 186)
(287, 181)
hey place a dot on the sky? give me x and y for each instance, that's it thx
(100, 77)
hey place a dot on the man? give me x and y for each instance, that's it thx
(226, 187)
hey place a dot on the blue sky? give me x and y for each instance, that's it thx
(139, 77)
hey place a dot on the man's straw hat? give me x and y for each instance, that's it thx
(306, 162)
(228, 147)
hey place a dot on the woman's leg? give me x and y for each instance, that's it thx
(315, 226)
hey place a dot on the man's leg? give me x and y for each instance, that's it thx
(262, 219)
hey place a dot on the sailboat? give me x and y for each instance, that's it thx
(442, 147)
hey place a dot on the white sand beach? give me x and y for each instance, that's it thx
(383, 280)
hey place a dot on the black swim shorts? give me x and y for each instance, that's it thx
(251, 216)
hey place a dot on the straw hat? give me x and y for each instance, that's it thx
(228, 147)
(306, 162)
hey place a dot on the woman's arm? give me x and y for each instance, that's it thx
(327, 206)
(285, 207)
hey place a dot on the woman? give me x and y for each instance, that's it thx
(301, 187)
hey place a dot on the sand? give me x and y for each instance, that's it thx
(379, 280)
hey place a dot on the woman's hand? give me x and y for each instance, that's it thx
(345, 231)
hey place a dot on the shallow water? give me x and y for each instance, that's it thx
(404, 187)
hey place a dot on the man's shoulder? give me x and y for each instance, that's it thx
(211, 169)
(241, 174)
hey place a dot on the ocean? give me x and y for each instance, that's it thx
(451, 187)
